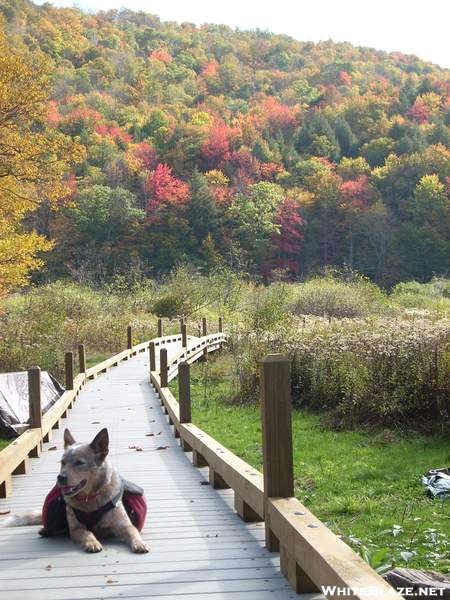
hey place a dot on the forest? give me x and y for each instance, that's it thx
(130, 146)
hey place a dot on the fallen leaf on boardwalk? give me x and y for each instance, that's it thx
(152, 421)
(112, 581)
(48, 568)
(162, 447)
(52, 448)
(139, 449)
(149, 434)
(5, 512)
(159, 433)
(95, 423)
(204, 482)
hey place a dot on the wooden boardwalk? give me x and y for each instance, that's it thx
(200, 548)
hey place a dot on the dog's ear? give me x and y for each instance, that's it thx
(68, 439)
(100, 444)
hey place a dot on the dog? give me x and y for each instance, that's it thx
(90, 500)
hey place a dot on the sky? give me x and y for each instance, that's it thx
(409, 26)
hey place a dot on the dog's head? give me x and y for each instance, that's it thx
(83, 465)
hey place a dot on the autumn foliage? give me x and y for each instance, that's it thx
(215, 147)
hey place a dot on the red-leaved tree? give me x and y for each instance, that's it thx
(164, 189)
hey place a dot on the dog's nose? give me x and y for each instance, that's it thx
(62, 479)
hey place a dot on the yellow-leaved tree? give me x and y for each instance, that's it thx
(34, 160)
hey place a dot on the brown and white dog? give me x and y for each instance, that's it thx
(90, 494)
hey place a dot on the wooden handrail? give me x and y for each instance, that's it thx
(311, 555)
(14, 457)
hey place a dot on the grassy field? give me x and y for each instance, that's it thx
(366, 486)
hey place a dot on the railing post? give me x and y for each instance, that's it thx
(82, 358)
(68, 368)
(184, 392)
(220, 324)
(34, 397)
(163, 367)
(129, 338)
(184, 335)
(276, 433)
(35, 406)
(160, 328)
(152, 356)
(184, 398)
(204, 327)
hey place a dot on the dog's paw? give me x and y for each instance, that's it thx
(139, 546)
(93, 546)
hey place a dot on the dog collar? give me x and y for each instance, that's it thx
(87, 497)
(91, 518)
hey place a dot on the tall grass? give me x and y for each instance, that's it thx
(38, 327)
(359, 355)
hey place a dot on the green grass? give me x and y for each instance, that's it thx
(4, 443)
(365, 486)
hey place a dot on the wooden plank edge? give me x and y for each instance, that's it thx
(321, 555)
(56, 411)
(17, 451)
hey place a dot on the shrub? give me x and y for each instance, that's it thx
(333, 297)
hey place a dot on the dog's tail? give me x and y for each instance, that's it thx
(33, 517)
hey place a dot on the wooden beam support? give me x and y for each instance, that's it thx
(244, 510)
(198, 459)
(216, 480)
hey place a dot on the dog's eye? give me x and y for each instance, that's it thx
(80, 463)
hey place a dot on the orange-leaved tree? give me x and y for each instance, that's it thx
(34, 160)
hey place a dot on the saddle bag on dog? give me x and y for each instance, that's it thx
(54, 518)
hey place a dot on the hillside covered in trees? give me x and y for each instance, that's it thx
(232, 148)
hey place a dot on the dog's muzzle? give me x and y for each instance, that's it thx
(69, 490)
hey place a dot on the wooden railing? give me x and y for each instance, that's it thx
(311, 555)
(14, 459)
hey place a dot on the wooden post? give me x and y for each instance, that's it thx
(204, 327)
(184, 392)
(34, 397)
(152, 355)
(160, 328)
(163, 367)
(184, 335)
(220, 324)
(129, 337)
(82, 358)
(35, 409)
(69, 370)
(276, 433)
(184, 398)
